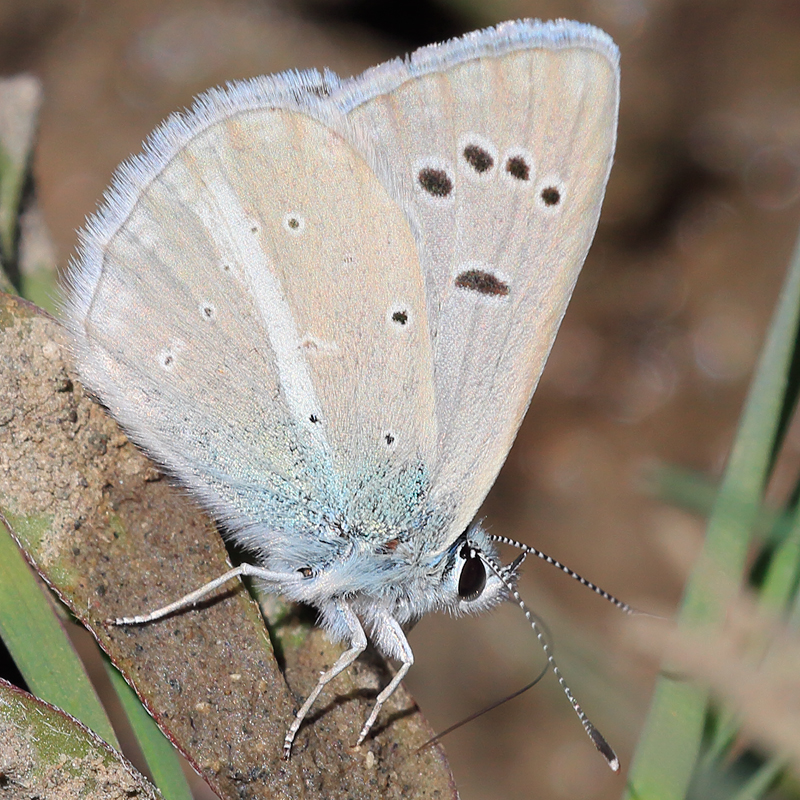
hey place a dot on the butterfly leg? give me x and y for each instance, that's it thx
(198, 594)
(358, 643)
(391, 640)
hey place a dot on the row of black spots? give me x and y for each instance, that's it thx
(439, 184)
(292, 222)
(389, 438)
(516, 166)
(168, 357)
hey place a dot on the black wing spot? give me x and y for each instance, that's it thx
(477, 280)
(436, 182)
(389, 439)
(478, 158)
(314, 418)
(551, 196)
(400, 317)
(294, 223)
(517, 167)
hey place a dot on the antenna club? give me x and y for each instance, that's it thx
(602, 745)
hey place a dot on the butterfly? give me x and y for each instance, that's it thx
(323, 306)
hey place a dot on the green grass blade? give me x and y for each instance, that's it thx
(777, 588)
(780, 581)
(40, 646)
(696, 493)
(20, 99)
(762, 780)
(670, 743)
(161, 757)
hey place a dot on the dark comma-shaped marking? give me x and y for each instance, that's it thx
(477, 280)
(436, 182)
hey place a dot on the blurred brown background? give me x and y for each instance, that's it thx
(655, 353)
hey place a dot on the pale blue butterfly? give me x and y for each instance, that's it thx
(323, 305)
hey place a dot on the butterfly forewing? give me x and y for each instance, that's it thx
(499, 156)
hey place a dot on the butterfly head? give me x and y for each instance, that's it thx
(473, 580)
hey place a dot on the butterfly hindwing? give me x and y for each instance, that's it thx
(262, 382)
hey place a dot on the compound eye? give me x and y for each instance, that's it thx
(472, 580)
